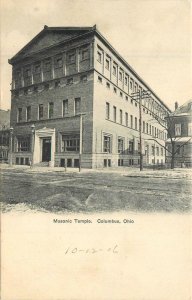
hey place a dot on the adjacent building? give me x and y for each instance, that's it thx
(179, 142)
(4, 134)
(72, 98)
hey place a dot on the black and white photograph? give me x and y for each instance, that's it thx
(96, 150)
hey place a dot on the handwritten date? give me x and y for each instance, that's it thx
(75, 250)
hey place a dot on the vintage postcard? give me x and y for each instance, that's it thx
(96, 150)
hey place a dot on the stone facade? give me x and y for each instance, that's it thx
(66, 76)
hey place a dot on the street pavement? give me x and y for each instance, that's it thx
(122, 189)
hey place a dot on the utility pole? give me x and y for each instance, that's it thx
(80, 138)
(81, 141)
(138, 96)
(32, 144)
(140, 130)
(11, 146)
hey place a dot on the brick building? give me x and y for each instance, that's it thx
(4, 134)
(180, 131)
(76, 90)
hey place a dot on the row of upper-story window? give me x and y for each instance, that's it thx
(123, 148)
(46, 86)
(180, 131)
(25, 114)
(57, 62)
(149, 104)
(129, 120)
(117, 71)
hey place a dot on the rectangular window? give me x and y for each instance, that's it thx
(152, 130)
(18, 74)
(153, 150)
(115, 90)
(161, 151)
(135, 123)
(107, 64)
(51, 107)
(114, 70)
(108, 85)
(107, 111)
(70, 143)
(37, 69)
(84, 78)
(120, 145)
(178, 149)
(114, 113)
(77, 105)
(189, 129)
(131, 119)
(47, 65)
(27, 72)
(126, 119)
(70, 81)
(126, 80)
(71, 58)
(46, 86)
(85, 54)
(23, 144)
(157, 150)
(65, 107)
(121, 94)
(120, 116)
(177, 129)
(131, 147)
(28, 113)
(120, 162)
(143, 126)
(131, 84)
(147, 128)
(100, 79)
(99, 56)
(120, 76)
(57, 83)
(107, 144)
(19, 116)
(58, 62)
(40, 111)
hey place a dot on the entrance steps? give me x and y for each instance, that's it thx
(42, 164)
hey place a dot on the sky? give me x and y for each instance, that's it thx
(153, 36)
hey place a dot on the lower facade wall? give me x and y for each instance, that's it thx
(72, 160)
(88, 161)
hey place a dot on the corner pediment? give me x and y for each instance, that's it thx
(48, 37)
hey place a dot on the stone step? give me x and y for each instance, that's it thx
(42, 164)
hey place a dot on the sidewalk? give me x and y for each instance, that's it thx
(123, 171)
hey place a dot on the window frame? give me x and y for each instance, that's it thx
(107, 143)
(28, 113)
(40, 111)
(178, 129)
(70, 143)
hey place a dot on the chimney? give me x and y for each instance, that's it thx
(176, 105)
